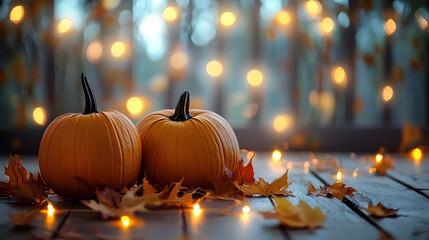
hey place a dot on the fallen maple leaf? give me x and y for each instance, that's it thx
(384, 164)
(322, 191)
(244, 174)
(23, 186)
(24, 217)
(299, 216)
(263, 188)
(339, 190)
(380, 211)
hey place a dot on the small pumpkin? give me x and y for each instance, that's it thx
(81, 150)
(186, 143)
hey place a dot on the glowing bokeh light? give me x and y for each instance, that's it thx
(281, 123)
(179, 60)
(387, 93)
(283, 18)
(227, 19)
(378, 158)
(214, 68)
(17, 14)
(94, 52)
(125, 221)
(196, 209)
(64, 25)
(355, 173)
(51, 209)
(416, 154)
(117, 49)
(339, 76)
(111, 4)
(327, 25)
(339, 176)
(313, 7)
(170, 14)
(289, 165)
(245, 209)
(255, 77)
(277, 155)
(390, 27)
(39, 116)
(135, 105)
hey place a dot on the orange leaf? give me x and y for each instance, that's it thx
(380, 211)
(339, 190)
(382, 166)
(22, 186)
(25, 217)
(322, 191)
(147, 187)
(244, 174)
(263, 188)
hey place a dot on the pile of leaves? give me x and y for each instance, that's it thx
(23, 186)
(338, 190)
(241, 182)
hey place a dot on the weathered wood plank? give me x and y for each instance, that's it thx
(381, 189)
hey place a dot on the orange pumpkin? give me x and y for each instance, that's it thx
(194, 144)
(81, 150)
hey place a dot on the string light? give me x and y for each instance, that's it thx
(327, 25)
(277, 155)
(313, 7)
(94, 52)
(416, 154)
(111, 4)
(214, 68)
(170, 14)
(254, 77)
(135, 105)
(339, 76)
(51, 209)
(355, 172)
(283, 18)
(117, 49)
(196, 209)
(378, 158)
(387, 93)
(246, 209)
(339, 175)
(17, 14)
(39, 116)
(390, 27)
(64, 26)
(281, 123)
(125, 221)
(227, 19)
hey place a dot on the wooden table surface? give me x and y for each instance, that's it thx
(405, 187)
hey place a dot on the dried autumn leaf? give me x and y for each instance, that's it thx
(24, 187)
(380, 211)
(339, 190)
(299, 216)
(244, 174)
(25, 217)
(322, 191)
(382, 166)
(263, 188)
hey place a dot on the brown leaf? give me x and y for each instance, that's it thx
(147, 187)
(380, 211)
(299, 216)
(25, 217)
(22, 186)
(339, 190)
(263, 188)
(244, 174)
(322, 191)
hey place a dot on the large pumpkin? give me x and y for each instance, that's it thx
(79, 151)
(191, 144)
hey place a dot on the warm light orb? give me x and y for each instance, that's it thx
(283, 18)
(339, 75)
(214, 68)
(125, 221)
(378, 158)
(64, 25)
(254, 77)
(355, 172)
(327, 25)
(245, 209)
(227, 19)
(170, 14)
(94, 52)
(387, 93)
(39, 116)
(17, 14)
(313, 7)
(135, 105)
(277, 155)
(390, 27)
(422, 22)
(281, 123)
(111, 4)
(179, 60)
(117, 49)
(196, 209)
(51, 209)
(339, 176)
(416, 154)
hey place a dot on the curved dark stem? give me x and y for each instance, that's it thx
(182, 108)
(90, 102)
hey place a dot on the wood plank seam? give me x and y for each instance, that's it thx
(355, 208)
(283, 229)
(407, 185)
(57, 231)
(184, 222)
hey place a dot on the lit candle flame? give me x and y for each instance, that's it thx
(339, 176)
(245, 209)
(125, 221)
(196, 209)
(277, 155)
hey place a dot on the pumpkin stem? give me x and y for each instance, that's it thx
(90, 102)
(182, 108)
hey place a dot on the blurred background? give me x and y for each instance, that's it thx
(331, 75)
